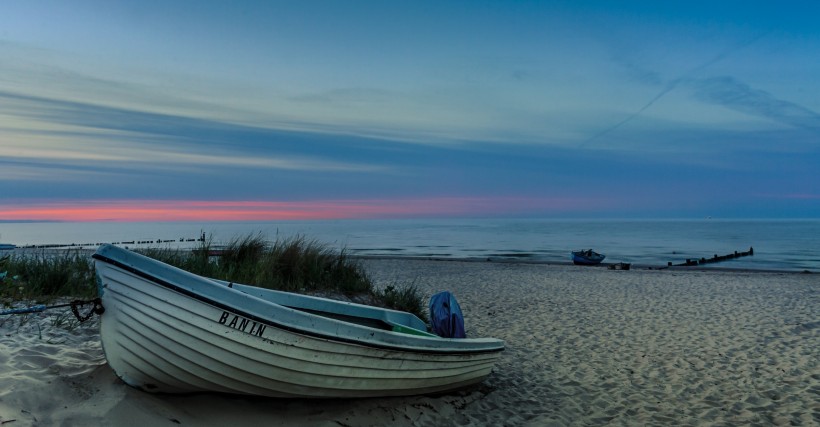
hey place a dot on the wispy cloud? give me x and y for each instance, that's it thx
(739, 96)
(653, 78)
(111, 134)
(792, 196)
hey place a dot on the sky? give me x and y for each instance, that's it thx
(267, 110)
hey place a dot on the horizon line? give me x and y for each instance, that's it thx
(139, 210)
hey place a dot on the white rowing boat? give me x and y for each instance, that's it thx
(171, 331)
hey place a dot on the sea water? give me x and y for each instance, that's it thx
(778, 244)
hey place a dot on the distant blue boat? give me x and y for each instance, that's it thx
(7, 247)
(587, 257)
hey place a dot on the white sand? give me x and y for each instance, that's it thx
(584, 346)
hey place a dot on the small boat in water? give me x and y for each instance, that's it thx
(171, 331)
(587, 257)
(7, 247)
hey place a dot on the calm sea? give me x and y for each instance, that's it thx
(778, 244)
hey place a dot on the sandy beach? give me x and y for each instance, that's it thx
(585, 346)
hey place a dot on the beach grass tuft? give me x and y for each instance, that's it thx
(42, 277)
(403, 297)
(295, 264)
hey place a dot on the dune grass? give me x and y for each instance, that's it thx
(45, 277)
(294, 264)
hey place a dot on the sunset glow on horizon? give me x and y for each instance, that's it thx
(198, 210)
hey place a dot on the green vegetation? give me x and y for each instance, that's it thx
(404, 297)
(296, 264)
(44, 277)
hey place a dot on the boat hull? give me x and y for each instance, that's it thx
(162, 337)
(587, 258)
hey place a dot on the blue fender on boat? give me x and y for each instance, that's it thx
(446, 318)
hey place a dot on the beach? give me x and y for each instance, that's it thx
(585, 346)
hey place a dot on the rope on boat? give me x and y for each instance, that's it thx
(76, 305)
(97, 308)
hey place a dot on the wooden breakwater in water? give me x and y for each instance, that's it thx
(124, 242)
(715, 258)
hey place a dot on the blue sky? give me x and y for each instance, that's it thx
(389, 109)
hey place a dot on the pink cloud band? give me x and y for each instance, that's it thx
(192, 210)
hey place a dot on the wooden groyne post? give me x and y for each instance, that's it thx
(715, 258)
(201, 238)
